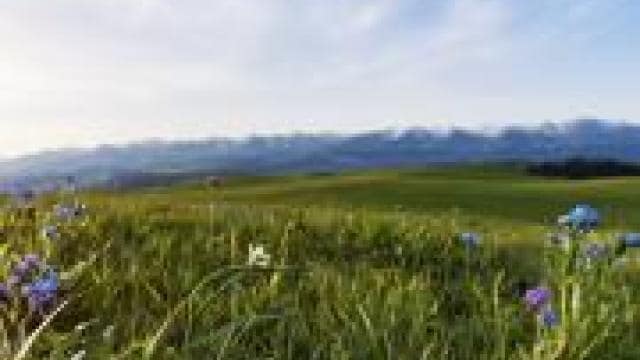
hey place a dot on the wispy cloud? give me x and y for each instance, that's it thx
(77, 72)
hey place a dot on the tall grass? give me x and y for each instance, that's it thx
(170, 281)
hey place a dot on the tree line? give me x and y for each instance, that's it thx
(581, 168)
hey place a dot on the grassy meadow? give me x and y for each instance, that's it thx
(363, 265)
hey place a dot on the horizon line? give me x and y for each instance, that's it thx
(485, 130)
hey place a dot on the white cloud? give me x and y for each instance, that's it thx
(75, 72)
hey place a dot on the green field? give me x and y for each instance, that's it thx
(363, 265)
(500, 193)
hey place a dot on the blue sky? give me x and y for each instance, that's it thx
(83, 72)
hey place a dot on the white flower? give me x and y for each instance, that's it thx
(563, 220)
(82, 326)
(79, 355)
(470, 239)
(257, 256)
(108, 332)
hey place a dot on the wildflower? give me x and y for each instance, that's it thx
(257, 256)
(28, 263)
(549, 317)
(628, 240)
(79, 355)
(32, 260)
(631, 240)
(108, 332)
(537, 298)
(42, 292)
(564, 220)
(470, 239)
(84, 325)
(80, 327)
(4, 293)
(582, 217)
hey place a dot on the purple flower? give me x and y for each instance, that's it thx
(32, 260)
(549, 317)
(28, 263)
(4, 293)
(537, 298)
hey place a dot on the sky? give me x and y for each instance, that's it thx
(77, 73)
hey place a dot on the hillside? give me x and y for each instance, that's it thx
(330, 153)
(498, 193)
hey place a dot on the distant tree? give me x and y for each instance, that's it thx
(581, 168)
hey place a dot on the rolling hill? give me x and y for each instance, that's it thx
(589, 138)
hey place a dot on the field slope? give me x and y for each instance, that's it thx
(500, 193)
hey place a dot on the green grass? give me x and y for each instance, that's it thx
(364, 266)
(500, 193)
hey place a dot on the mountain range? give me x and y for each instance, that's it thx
(106, 164)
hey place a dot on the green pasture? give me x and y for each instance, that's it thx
(363, 265)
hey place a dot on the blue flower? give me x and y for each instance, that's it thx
(43, 291)
(631, 240)
(581, 217)
(470, 239)
(549, 317)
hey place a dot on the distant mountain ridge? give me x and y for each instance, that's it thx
(589, 138)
